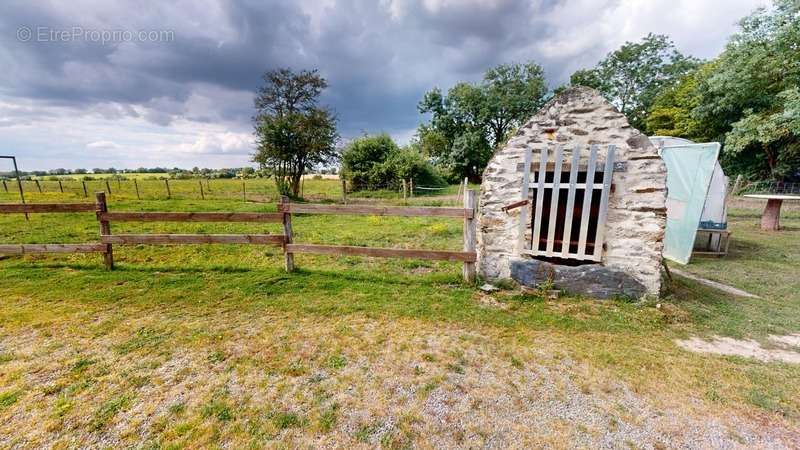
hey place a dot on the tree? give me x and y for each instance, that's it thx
(482, 115)
(293, 133)
(671, 113)
(632, 76)
(374, 162)
(752, 95)
(363, 158)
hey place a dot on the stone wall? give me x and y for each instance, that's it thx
(636, 215)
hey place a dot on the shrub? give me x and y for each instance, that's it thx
(371, 162)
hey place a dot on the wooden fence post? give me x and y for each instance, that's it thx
(208, 185)
(169, 193)
(85, 192)
(136, 185)
(469, 234)
(5, 186)
(38, 186)
(60, 186)
(105, 228)
(344, 191)
(411, 189)
(287, 232)
(108, 188)
(202, 194)
(244, 191)
(405, 190)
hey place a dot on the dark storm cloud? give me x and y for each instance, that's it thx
(378, 65)
(378, 56)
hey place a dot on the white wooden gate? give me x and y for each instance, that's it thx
(533, 191)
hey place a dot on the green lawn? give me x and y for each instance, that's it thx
(204, 346)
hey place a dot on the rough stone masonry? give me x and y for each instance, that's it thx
(636, 218)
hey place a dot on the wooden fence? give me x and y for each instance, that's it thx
(284, 216)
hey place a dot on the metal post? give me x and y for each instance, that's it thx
(19, 181)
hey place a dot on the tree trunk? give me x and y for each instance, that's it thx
(770, 220)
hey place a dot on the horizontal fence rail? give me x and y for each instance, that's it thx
(346, 250)
(190, 217)
(468, 256)
(134, 239)
(24, 249)
(407, 211)
(284, 215)
(47, 207)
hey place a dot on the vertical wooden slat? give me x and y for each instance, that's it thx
(469, 234)
(573, 180)
(608, 171)
(523, 195)
(287, 232)
(587, 200)
(537, 218)
(105, 228)
(554, 193)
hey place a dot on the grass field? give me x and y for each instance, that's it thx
(216, 346)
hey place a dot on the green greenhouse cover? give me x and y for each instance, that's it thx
(689, 171)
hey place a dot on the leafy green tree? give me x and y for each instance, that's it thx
(671, 113)
(293, 133)
(482, 115)
(376, 161)
(752, 95)
(363, 159)
(632, 76)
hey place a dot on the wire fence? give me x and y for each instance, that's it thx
(772, 187)
(250, 190)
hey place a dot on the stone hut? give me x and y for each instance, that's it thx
(626, 219)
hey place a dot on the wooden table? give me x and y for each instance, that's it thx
(770, 219)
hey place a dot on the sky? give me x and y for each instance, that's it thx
(87, 84)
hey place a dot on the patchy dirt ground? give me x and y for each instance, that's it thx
(782, 348)
(355, 383)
